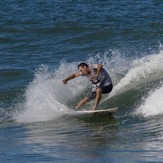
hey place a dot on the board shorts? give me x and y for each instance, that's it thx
(105, 89)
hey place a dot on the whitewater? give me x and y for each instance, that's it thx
(46, 97)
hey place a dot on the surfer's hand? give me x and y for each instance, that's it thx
(95, 78)
(64, 81)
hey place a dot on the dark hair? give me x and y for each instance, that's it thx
(82, 64)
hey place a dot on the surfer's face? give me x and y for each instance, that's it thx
(83, 70)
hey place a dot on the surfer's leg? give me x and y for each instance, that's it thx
(98, 98)
(82, 103)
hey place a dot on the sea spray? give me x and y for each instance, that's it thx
(141, 71)
(46, 97)
(153, 103)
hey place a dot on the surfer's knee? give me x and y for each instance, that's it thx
(98, 91)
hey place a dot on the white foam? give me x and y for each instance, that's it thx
(141, 71)
(47, 98)
(153, 104)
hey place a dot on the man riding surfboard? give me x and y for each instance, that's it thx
(99, 78)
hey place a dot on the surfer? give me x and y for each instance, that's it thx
(99, 78)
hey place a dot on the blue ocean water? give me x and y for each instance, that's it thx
(42, 42)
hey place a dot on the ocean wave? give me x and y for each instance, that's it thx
(47, 98)
(152, 104)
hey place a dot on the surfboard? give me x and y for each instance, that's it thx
(110, 111)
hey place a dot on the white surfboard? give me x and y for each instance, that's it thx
(99, 112)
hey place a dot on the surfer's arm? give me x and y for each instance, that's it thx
(99, 69)
(71, 77)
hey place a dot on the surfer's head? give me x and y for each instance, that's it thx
(83, 68)
(82, 64)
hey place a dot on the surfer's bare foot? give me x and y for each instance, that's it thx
(76, 107)
(94, 108)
